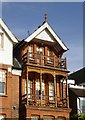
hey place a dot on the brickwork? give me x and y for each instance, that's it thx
(9, 103)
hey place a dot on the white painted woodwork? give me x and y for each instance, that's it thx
(45, 35)
(6, 53)
(41, 29)
(16, 72)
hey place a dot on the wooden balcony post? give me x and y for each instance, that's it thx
(41, 88)
(27, 56)
(27, 85)
(67, 92)
(54, 61)
(55, 90)
(65, 63)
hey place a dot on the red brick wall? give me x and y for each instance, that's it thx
(12, 97)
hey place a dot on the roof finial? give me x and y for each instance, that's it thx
(46, 17)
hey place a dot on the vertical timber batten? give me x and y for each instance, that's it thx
(55, 90)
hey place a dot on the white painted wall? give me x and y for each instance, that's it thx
(6, 53)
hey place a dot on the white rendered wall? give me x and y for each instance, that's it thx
(6, 53)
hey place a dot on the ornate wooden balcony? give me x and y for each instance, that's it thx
(44, 61)
(46, 101)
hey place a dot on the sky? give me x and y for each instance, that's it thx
(66, 19)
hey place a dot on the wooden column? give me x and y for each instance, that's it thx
(55, 90)
(41, 88)
(58, 91)
(34, 52)
(27, 85)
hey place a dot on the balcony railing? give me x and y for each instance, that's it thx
(46, 61)
(47, 101)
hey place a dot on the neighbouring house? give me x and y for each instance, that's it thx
(33, 77)
(77, 92)
(9, 78)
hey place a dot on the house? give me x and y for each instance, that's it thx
(43, 86)
(77, 92)
(33, 75)
(9, 79)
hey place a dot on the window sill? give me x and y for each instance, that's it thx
(2, 95)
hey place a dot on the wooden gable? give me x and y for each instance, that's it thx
(46, 33)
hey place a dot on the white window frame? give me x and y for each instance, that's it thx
(3, 80)
(51, 90)
(30, 89)
(37, 88)
(2, 117)
(39, 51)
(1, 40)
(31, 51)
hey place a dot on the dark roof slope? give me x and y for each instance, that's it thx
(78, 76)
(16, 64)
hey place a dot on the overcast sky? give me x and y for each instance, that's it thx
(66, 18)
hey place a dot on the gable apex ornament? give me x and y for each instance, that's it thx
(46, 17)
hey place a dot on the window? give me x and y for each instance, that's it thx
(2, 82)
(2, 117)
(1, 40)
(39, 51)
(81, 105)
(50, 55)
(35, 117)
(29, 88)
(48, 117)
(31, 51)
(43, 89)
(61, 118)
(51, 90)
(37, 88)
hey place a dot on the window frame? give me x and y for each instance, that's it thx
(2, 40)
(51, 90)
(31, 51)
(50, 55)
(3, 115)
(3, 80)
(39, 50)
(35, 117)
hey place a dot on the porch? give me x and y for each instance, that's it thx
(45, 90)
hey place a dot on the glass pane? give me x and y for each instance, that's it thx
(29, 88)
(34, 117)
(2, 75)
(51, 90)
(48, 117)
(39, 51)
(60, 118)
(2, 87)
